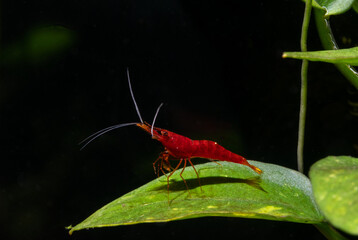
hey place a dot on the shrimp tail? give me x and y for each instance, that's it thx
(243, 161)
(256, 169)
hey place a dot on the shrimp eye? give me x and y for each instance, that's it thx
(163, 133)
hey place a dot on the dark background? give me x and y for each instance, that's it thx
(216, 65)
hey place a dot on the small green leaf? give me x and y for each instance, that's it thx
(335, 187)
(346, 56)
(230, 190)
(355, 6)
(333, 7)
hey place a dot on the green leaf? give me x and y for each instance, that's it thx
(229, 190)
(335, 187)
(39, 46)
(46, 42)
(333, 7)
(355, 6)
(346, 56)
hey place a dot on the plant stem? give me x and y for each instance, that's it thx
(329, 232)
(328, 42)
(304, 70)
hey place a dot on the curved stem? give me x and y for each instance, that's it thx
(329, 43)
(329, 232)
(304, 71)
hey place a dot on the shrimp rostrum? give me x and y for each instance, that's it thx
(177, 147)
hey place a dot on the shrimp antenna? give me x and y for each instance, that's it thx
(155, 117)
(103, 131)
(135, 103)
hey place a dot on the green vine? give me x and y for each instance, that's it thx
(304, 71)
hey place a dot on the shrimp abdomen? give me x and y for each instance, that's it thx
(212, 150)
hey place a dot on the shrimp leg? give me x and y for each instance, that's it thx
(164, 156)
(176, 168)
(181, 175)
(197, 172)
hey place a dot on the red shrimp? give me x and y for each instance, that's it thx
(184, 149)
(177, 147)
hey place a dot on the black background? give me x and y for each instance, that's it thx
(216, 65)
